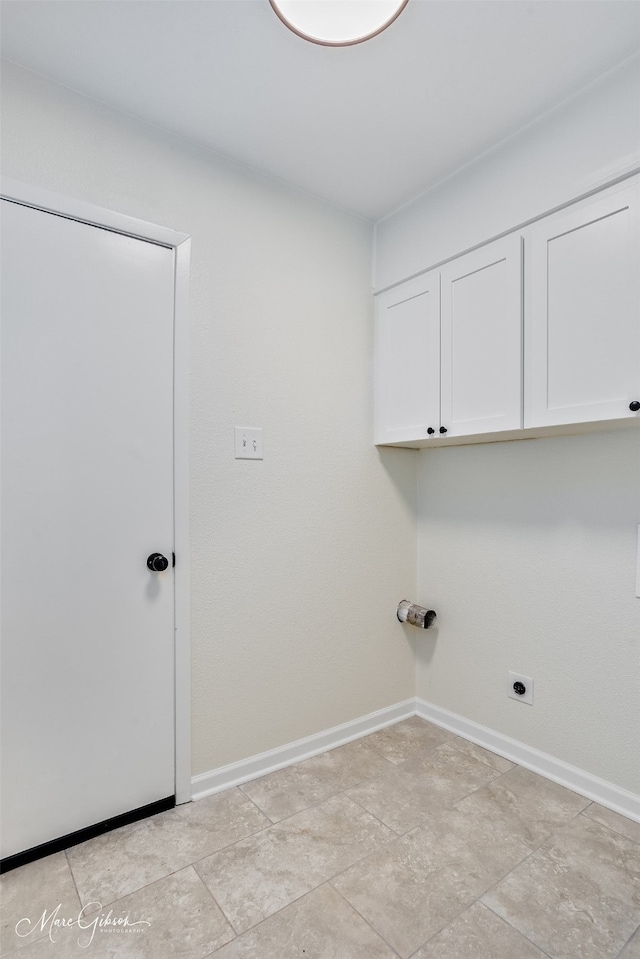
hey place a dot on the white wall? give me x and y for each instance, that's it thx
(527, 550)
(591, 137)
(298, 561)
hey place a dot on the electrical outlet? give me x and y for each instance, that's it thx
(520, 688)
(248, 443)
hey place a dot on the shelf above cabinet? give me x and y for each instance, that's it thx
(531, 433)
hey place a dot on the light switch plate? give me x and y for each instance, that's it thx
(248, 443)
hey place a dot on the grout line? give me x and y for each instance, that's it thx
(553, 832)
(442, 927)
(357, 911)
(312, 805)
(379, 752)
(272, 915)
(12, 924)
(515, 928)
(172, 872)
(133, 892)
(396, 834)
(469, 755)
(620, 955)
(254, 803)
(336, 792)
(507, 874)
(73, 879)
(379, 845)
(231, 925)
(478, 789)
(606, 825)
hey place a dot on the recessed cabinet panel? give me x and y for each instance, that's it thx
(408, 360)
(583, 312)
(481, 330)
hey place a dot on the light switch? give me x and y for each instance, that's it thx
(248, 443)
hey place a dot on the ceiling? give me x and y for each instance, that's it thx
(366, 127)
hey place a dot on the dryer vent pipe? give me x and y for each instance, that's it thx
(415, 615)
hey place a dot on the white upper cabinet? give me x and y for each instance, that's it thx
(582, 311)
(452, 368)
(481, 340)
(451, 350)
(408, 360)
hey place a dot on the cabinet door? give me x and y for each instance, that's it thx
(481, 331)
(408, 360)
(582, 315)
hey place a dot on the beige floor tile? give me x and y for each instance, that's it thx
(111, 866)
(478, 934)
(632, 949)
(411, 888)
(262, 874)
(409, 739)
(290, 790)
(406, 795)
(557, 875)
(173, 918)
(578, 896)
(523, 804)
(499, 763)
(28, 892)
(321, 925)
(606, 817)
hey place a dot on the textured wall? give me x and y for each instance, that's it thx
(298, 561)
(527, 550)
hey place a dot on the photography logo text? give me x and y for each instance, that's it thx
(90, 919)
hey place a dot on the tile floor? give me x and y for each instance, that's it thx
(408, 843)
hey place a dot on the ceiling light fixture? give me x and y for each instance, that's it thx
(338, 23)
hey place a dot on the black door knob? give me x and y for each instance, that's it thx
(430, 430)
(157, 562)
(634, 406)
(443, 429)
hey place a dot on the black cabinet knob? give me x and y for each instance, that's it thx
(443, 429)
(430, 430)
(634, 406)
(157, 563)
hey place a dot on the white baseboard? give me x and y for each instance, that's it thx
(585, 784)
(206, 784)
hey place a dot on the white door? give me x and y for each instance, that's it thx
(582, 314)
(481, 330)
(408, 360)
(87, 496)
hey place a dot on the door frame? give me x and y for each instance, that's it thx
(180, 243)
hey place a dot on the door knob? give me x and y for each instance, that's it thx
(157, 562)
(634, 406)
